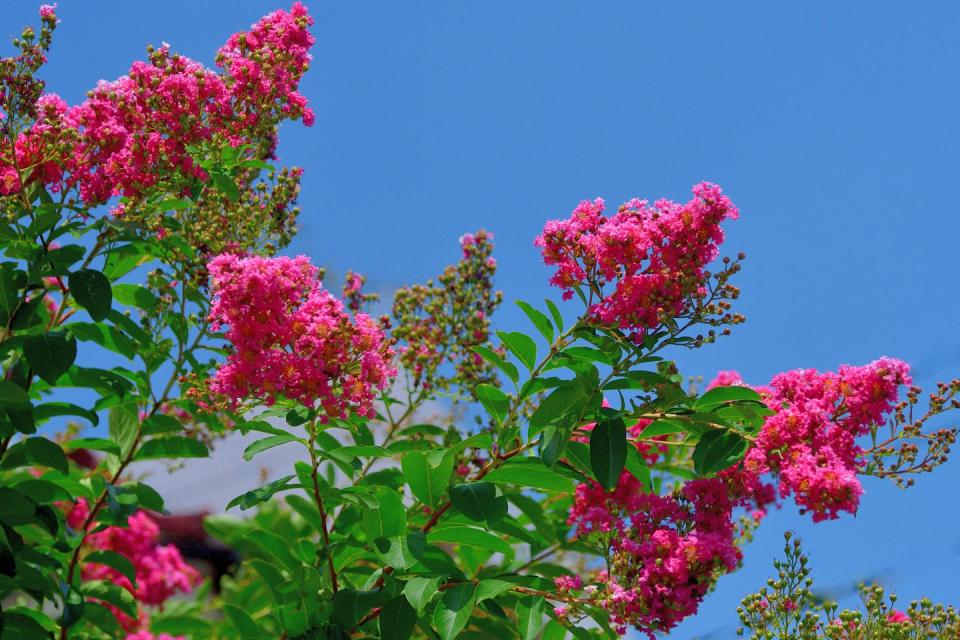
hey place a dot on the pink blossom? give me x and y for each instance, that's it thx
(653, 255)
(809, 443)
(133, 133)
(896, 616)
(9, 180)
(160, 569)
(291, 337)
(726, 379)
(567, 583)
(665, 551)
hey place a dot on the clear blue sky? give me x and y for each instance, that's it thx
(832, 125)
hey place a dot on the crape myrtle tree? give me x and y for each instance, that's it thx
(572, 486)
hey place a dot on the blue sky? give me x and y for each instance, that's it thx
(832, 125)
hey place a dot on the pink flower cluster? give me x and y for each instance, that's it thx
(810, 442)
(137, 130)
(293, 338)
(265, 65)
(654, 254)
(160, 569)
(665, 551)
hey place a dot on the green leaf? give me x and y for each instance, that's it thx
(12, 280)
(19, 625)
(530, 616)
(479, 501)
(54, 409)
(93, 444)
(172, 447)
(226, 185)
(723, 395)
(664, 426)
(299, 416)
(124, 422)
(522, 346)
(470, 536)
(15, 403)
(276, 547)
(36, 451)
(561, 401)
(350, 605)
(13, 396)
(104, 335)
(242, 622)
(395, 550)
(147, 496)
(454, 609)
(111, 594)
(267, 443)
(15, 508)
(608, 451)
(496, 360)
(588, 354)
(553, 442)
(123, 259)
(50, 354)
(134, 295)
(261, 494)
(531, 474)
(352, 451)
(557, 318)
(107, 336)
(307, 510)
(397, 620)
(427, 483)
(96, 614)
(159, 423)
(42, 491)
(113, 560)
(419, 591)
(487, 589)
(539, 320)
(62, 257)
(389, 519)
(717, 450)
(637, 466)
(494, 401)
(91, 289)
(103, 381)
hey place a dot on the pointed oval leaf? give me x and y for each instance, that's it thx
(397, 620)
(722, 395)
(608, 451)
(479, 501)
(539, 320)
(50, 354)
(419, 591)
(717, 450)
(522, 346)
(91, 289)
(454, 609)
(267, 443)
(172, 447)
(494, 401)
(497, 360)
(470, 536)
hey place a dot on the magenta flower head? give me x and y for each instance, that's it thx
(652, 256)
(294, 339)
